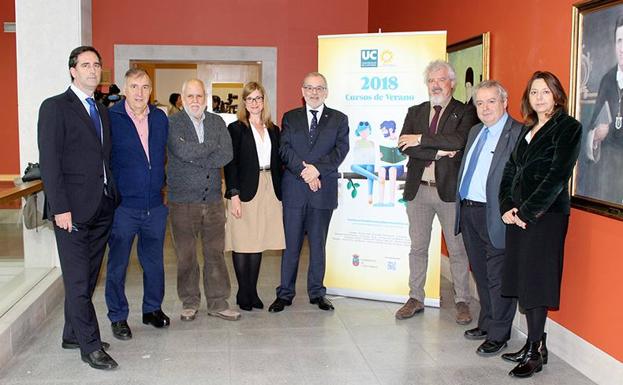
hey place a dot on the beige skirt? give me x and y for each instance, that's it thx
(261, 225)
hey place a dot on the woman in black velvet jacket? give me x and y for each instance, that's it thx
(534, 203)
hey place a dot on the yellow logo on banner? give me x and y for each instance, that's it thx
(386, 57)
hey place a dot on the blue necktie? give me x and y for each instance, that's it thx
(471, 166)
(95, 117)
(313, 127)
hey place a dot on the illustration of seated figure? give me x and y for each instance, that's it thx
(363, 156)
(389, 165)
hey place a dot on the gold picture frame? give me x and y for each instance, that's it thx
(595, 99)
(470, 59)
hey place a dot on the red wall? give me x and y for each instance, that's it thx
(526, 36)
(291, 26)
(9, 134)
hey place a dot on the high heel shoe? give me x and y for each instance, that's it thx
(532, 362)
(519, 356)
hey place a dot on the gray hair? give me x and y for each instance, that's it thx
(198, 81)
(437, 65)
(313, 75)
(491, 84)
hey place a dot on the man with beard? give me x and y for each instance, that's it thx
(433, 136)
(199, 145)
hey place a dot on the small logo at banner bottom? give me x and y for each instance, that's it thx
(391, 266)
(355, 260)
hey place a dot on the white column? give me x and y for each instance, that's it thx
(46, 31)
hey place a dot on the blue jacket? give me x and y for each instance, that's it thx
(139, 180)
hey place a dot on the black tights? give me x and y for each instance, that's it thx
(536, 322)
(247, 267)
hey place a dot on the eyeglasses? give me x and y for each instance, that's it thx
(257, 99)
(314, 89)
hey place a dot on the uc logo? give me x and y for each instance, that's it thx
(369, 57)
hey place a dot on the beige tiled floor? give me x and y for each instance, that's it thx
(359, 343)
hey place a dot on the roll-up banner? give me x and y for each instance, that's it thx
(374, 79)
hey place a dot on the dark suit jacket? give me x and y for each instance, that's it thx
(72, 158)
(506, 144)
(536, 177)
(452, 129)
(326, 153)
(241, 174)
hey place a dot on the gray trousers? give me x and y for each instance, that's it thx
(421, 211)
(190, 222)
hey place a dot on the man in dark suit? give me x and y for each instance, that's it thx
(74, 153)
(488, 148)
(600, 164)
(314, 142)
(433, 136)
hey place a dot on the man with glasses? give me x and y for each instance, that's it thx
(314, 142)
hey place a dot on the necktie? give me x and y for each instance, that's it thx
(432, 129)
(95, 117)
(313, 127)
(471, 166)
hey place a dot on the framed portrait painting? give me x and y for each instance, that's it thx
(470, 59)
(596, 100)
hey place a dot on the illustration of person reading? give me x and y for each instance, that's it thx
(363, 156)
(390, 166)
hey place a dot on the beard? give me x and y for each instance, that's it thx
(195, 114)
(437, 100)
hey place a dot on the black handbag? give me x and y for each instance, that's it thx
(32, 172)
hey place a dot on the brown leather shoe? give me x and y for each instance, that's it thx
(463, 316)
(409, 309)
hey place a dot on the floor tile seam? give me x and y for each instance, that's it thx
(352, 338)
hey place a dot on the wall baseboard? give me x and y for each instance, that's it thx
(568, 346)
(21, 322)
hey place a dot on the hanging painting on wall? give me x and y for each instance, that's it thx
(470, 59)
(596, 95)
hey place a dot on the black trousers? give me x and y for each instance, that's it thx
(496, 312)
(81, 253)
(297, 222)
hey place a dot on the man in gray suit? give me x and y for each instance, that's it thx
(488, 148)
(198, 146)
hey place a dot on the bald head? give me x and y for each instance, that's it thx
(194, 97)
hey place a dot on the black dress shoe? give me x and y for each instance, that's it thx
(121, 330)
(258, 304)
(279, 305)
(322, 302)
(99, 359)
(157, 319)
(491, 347)
(245, 307)
(74, 345)
(475, 334)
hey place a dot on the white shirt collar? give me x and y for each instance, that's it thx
(619, 78)
(319, 109)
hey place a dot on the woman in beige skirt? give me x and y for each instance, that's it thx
(253, 189)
